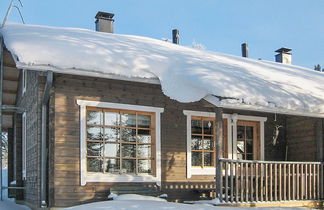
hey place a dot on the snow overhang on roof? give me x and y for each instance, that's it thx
(185, 74)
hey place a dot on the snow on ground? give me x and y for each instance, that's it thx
(185, 74)
(133, 201)
(10, 205)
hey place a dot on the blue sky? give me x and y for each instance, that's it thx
(221, 26)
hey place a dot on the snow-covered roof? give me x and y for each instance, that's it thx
(185, 74)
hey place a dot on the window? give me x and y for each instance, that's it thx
(24, 81)
(247, 140)
(119, 142)
(201, 137)
(202, 142)
(243, 138)
(23, 142)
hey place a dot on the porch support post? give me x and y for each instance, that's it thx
(219, 150)
(319, 140)
(1, 85)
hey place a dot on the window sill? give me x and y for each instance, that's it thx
(203, 171)
(96, 177)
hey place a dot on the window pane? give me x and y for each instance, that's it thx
(143, 121)
(249, 146)
(94, 164)
(128, 166)
(240, 147)
(208, 143)
(112, 150)
(144, 138)
(128, 150)
(128, 134)
(249, 156)
(112, 134)
(112, 165)
(94, 133)
(128, 120)
(249, 132)
(240, 132)
(208, 159)
(240, 156)
(112, 118)
(196, 158)
(144, 166)
(94, 148)
(208, 127)
(94, 117)
(196, 126)
(196, 142)
(144, 151)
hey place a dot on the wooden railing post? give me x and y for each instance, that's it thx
(219, 151)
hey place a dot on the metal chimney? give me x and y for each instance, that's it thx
(283, 56)
(245, 50)
(105, 22)
(175, 36)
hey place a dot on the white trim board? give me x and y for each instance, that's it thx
(197, 170)
(100, 177)
(231, 138)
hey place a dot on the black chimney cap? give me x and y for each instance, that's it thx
(283, 50)
(104, 15)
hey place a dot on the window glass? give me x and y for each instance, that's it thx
(94, 118)
(202, 141)
(196, 158)
(196, 143)
(196, 126)
(112, 118)
(94, 133)
(112, 165)
(94, 164)
(128, 120)
(119, 141)
(94, 148)
(128, 166)
(144, 166)
(143, 121)
(208, 127)
(244, 142)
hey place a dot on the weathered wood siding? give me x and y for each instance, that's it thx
(30, 101)
(302, 135)
(66, 174)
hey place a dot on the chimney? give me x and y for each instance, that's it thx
(283, 56)
(245, 50)
(175, 36)
(105, 22)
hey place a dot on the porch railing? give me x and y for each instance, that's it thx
(257, 181)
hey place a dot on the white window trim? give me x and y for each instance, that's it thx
(197, 170)
(24, 81)
(97, 177)
(24, 145)
(261, 120)
(231, 124)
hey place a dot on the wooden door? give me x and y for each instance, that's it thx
(248, 140)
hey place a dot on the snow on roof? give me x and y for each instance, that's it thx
(185, 74)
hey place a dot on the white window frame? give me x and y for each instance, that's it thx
(234, 119)
(24, 81)
(231, 136)
(101, 177)
(24, 145)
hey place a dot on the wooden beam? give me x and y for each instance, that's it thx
(319, 140)
(219, 150)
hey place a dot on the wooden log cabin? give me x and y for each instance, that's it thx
(76, 130)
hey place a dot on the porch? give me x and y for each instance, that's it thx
(244, 181)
